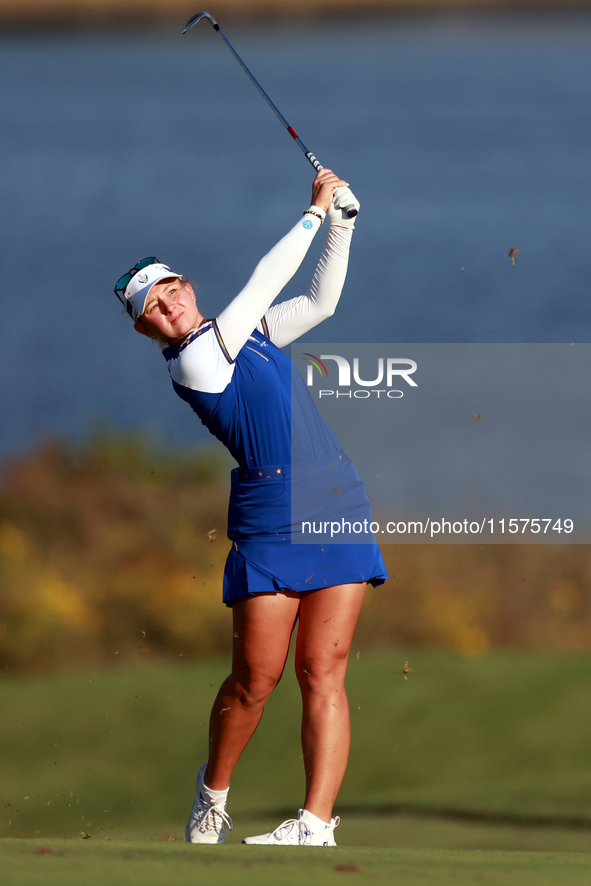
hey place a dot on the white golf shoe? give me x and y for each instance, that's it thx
(207, 820)
(305, 830)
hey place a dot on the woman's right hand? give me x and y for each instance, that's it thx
(323, 188)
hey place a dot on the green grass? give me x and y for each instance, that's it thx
(506, 736)
(65, 863)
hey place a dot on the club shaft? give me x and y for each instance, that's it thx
(350, 210)
(309, 155)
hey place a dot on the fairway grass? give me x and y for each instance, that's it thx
(71, 863)
(399, 832)
(491, 753)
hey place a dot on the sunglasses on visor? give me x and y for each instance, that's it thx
(123, 282)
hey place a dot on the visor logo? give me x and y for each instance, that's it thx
(142, 278)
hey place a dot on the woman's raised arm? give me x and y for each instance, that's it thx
(275, 270)
(296, 316)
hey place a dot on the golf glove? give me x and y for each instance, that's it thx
(343, 197)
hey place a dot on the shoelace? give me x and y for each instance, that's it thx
(208, 822)
(303, 836)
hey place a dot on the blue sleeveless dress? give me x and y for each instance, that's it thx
(291, 470)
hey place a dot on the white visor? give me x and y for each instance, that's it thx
(139, 286)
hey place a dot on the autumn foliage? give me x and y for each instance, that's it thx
(112, 549)
(116, 550)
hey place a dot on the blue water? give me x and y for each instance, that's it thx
(462, 136)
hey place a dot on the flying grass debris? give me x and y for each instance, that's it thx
(406, 670)
(513, 254)
(477, 416)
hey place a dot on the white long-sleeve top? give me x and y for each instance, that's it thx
(208, 363)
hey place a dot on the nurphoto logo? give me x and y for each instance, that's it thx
(390, 370)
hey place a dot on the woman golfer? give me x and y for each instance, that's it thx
(234, 376)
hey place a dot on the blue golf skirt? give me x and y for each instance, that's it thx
(273, 512)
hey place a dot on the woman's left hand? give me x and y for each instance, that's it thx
(323, 188)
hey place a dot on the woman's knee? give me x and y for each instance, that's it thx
(253, 686)
(322, 673)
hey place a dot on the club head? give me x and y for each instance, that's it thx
(195, 18)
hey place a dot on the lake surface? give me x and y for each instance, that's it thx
(462, 136)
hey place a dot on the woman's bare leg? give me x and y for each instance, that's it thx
(263, 625)
(327, 621)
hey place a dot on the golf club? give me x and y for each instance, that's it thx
(349, 210)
